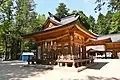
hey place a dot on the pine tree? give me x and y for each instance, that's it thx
(62, 11)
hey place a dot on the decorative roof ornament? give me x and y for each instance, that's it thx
(55, 17)
(50, 14)
(76, 14)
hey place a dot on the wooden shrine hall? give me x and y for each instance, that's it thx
(63, 41)
(109, 46)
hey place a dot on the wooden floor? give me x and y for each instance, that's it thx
(74, 63)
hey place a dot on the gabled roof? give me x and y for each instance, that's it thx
(61, 23)
(114, 37)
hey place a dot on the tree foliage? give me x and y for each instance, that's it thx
(112, 18)
(83, 18)
(114, 5)
(91, 22)
(17, 18)
(62, 10)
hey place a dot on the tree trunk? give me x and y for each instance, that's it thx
(6, 50)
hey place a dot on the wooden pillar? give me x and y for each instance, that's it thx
(72, 44)
(57, 51)
(39, 51)
(42, 51)
(36, 52)
(83, 52)
(51, 50)
(48, 46)
(114, 54)
(47, 49)
(105, 55)
(79, 51)
(72, 48)
(88, 54)
(62, 45)
(69, 45)
(65, 64)
(57, 63)
(105, 51)
(73, 64)
(53, 44)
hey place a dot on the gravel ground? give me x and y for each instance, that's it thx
(15, 70)
(104, 69)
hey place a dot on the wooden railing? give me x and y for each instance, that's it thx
(68, 57)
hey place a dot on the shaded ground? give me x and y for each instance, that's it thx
(98, 65)
(101, 78)
(104, 69)
(14, 70)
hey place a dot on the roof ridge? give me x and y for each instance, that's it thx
(93, 33)
(53, 19)
(110, 34)
(68, 17)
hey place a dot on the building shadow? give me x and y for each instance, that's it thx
(101, 78)
(98, 65)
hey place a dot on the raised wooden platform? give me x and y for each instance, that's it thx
(72, 69)
(73, 63)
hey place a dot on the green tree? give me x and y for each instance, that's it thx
(81, 14)
(28, 21)
(6, 21)
(83, 18)
(101, 24)
(112, 18)
(108, 20)
(3, 1)
(115, 23)
(40, 20)
(92, 24)
(112, 4)
(62, 10)
(15, 21)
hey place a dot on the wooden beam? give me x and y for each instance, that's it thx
(78, 35)
(52, 31)
(98, 42)
(78, 41)
(112, 45)
(52, 39)
(84, 30)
